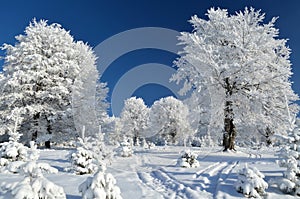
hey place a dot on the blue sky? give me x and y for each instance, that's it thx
(96, 21)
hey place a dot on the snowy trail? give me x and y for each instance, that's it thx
(171, 182)
(225, 181)
(213, 178)
(169, 187)
(164, 179)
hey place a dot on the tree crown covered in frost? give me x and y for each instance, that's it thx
(239, 59)
(48, 80)
(169, 120)
(134, 118)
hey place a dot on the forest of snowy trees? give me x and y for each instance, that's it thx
(235, 66)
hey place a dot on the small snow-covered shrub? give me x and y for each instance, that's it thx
(84, 160)
(35, 185)
(188, 159)
(14, 155)
(290, 154)
(100, 186)
(15, 151)
(125, 149)
(250, 182)
(89, 155)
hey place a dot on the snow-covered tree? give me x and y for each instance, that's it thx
(188, 159)
(84, 160)
(100, 186)
(125, 149)
(199, 113)
(134, 118)
(35, 185)
(169, 120)
(102, 105)
(13, 154)
(246, 69)
(90, 153)
(40, 72)
(290, 157)
(251, 183)
(113, 130)
(89, 96)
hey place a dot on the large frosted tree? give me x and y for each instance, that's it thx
(89, 103)
(40, 72)
(245, 67)
(169, 121)
(134, 118)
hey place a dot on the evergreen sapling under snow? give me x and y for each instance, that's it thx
(125, 149)
(188, 159)
(100, 186)
(89, 155)
(34, 185)
(290, 182)
(250, 182)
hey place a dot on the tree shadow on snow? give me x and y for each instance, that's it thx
(73, 197)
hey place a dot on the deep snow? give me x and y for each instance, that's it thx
(152, 173)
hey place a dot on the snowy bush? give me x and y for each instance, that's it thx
(13, 155)
(188, 159)
(250, 182)
(89, 155)
(290, 154)
(146, 144)
(100, 186)
(125, 148)
(84, 160)
(22, 166)
(35, 185)
(12, 150)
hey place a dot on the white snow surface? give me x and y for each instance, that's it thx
(152, 173)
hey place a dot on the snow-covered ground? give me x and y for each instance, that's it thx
(153, 173)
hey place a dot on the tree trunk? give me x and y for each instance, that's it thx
(229, 127)
(48, 143)
(36, 118)
(268, 136)
(230, 131)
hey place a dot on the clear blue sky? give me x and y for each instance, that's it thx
(95, 21)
